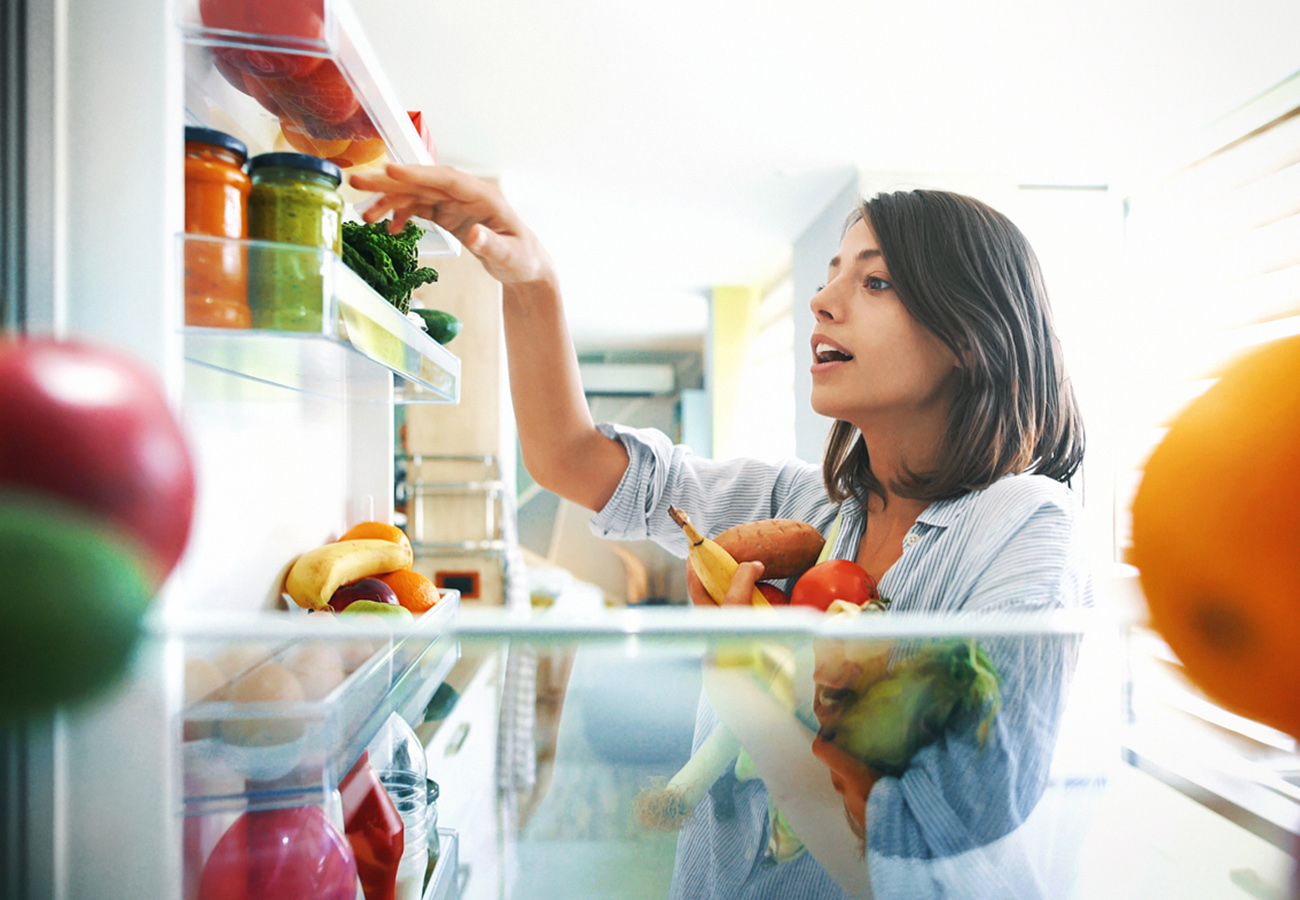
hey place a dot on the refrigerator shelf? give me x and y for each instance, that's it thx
(314, 87)
(444, 883)
(270, 754)
(350, 315)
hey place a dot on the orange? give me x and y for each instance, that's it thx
(1216, 537)
(379, 531)
(413, 590)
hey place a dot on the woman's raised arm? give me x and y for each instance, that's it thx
(561, 447)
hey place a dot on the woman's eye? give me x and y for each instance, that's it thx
(820, 288)
(874, 283)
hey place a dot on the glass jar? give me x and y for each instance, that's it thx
(431, 829)
(216, 204)
(294, 200)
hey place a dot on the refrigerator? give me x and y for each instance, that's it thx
(567, 715)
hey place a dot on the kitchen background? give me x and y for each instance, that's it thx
(689, 166)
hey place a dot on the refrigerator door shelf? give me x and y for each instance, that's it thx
(350, 314)
(299, 77)
(283, 753)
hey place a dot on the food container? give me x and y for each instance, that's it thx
(294, 200)
(216, 204)
(431, 824)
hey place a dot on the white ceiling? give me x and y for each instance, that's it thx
(659, 148)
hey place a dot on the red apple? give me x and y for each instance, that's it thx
(362, 589)
(93, 427)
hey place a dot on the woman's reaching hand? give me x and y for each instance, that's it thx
(473, 210)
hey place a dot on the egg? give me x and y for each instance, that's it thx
(268, 683)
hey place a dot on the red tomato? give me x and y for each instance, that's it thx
(774, 594)
(93, 427)
(835, 579)
(322, 94)
(302, 21)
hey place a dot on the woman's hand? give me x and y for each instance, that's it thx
(739, 593)
(472, 210)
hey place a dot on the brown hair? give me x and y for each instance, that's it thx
(967, 274)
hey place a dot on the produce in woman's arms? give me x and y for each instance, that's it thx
(944, 477)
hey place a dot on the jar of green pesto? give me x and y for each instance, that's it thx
(294, 200)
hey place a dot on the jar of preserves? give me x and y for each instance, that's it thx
(294, 200)
(216, 205)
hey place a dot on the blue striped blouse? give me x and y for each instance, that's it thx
(1013, 546)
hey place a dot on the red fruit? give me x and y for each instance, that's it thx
(302, 19)
(835, 579)
(774, 594)
(362, 589)
(322, 94)
(92, 426)
(278, 853)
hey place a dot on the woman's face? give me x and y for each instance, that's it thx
(873, 362)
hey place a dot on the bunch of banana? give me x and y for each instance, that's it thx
(317, 574)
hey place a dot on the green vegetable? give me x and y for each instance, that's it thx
(917, 702)
(442, 326)
(389, 263)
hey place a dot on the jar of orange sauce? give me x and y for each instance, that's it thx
(216, 204)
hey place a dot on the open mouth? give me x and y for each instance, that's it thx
(824, 353)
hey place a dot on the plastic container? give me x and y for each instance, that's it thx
(399, 759)
(374, 829)
(294, 200)
(216, 204)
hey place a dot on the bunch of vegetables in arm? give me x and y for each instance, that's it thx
(389, 263)
(785, 548)
(873, 724)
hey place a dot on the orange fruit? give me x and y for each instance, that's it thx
(378, 531)
(413, 590)
(1216, 537)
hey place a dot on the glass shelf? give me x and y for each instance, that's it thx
(339, 308)
(300, 77)
(241, 756)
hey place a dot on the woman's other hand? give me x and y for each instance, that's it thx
(740, 593)
(473, 210)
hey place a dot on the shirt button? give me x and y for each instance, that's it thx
(911, 539)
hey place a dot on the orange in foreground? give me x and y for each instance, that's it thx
(413, 590)
(378, 531)
(1216, 537)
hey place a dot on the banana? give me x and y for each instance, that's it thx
(714, 565)
(317, 574)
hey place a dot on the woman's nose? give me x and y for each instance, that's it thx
(823, 304)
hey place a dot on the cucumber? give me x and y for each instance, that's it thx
(442, 326)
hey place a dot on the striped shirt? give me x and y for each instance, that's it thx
(940, 829)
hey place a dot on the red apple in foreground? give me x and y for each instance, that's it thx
(362, 589)
(92, 427)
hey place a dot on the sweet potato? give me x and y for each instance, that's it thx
(785, 547)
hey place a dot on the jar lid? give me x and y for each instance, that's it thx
(296, 161)
(216, 138)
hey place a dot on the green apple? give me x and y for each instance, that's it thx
(374, 607)
(74, 591)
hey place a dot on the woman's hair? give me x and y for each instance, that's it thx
(967, 274)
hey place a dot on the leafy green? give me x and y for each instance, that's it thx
(389, 263)
(921, 698)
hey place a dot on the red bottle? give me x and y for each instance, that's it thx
(374, 828)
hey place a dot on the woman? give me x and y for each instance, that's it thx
(955, 431)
